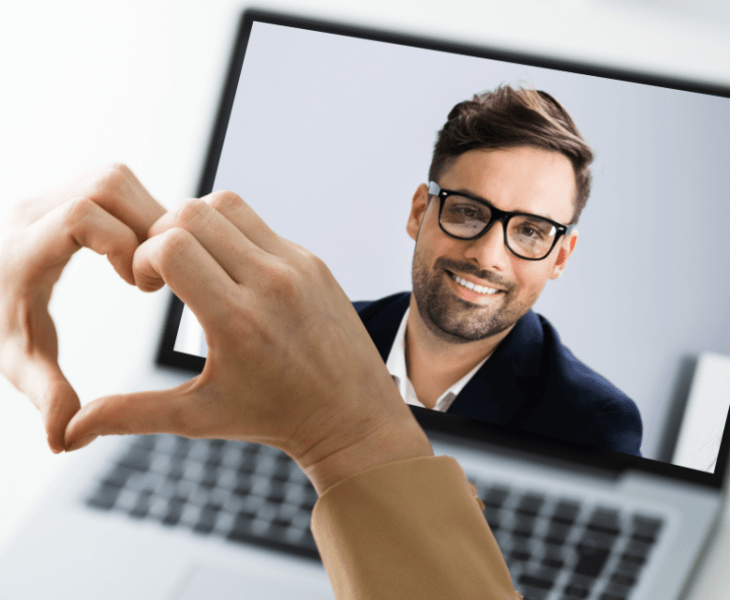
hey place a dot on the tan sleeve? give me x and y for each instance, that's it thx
(409, 529)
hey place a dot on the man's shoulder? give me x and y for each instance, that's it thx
(609, 411)
(382, 319)
(563, 364)
(370, 309)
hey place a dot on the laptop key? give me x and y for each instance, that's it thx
(520, 551)
(623, 579)
(605, 520)
(530, 504)
(142, 506)
(636, 553)
(529, 593)
(645, 529)
(210, 479)
(578, 588)
(524, 526)
(207, 520)
(496, 496)
(566, 511)
(174, 511)
(543, 579)
(554, 556)
(557, 533)
(118, 477)
(615, 593)
(493, 518)
(136, 459)
(591, 560)
(104, 497)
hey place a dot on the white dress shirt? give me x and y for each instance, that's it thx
(396, 365)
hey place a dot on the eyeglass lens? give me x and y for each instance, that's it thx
(527, 236)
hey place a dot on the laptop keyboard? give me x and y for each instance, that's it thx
(564, 549)
(555, 548)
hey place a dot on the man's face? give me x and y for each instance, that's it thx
(523, 179)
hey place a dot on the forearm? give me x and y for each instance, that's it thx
(409, 529)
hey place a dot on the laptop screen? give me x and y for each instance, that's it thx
(329, 133)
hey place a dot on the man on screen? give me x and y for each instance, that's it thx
(508, 180)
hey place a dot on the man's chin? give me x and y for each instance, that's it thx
(459, 329)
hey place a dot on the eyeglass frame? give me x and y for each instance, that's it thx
(502, 216)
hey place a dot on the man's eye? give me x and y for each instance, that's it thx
(529, 231)
(465, 211)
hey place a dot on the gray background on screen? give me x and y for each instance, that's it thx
(330, 136)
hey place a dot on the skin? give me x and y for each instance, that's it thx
(280, 369)
(451, 329)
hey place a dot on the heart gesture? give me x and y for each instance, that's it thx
(289, 362)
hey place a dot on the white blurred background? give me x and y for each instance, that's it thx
(86, 83)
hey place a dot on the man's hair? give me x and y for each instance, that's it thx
(510, 118)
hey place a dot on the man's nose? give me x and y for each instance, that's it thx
(489, 251)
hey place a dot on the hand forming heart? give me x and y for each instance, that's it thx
(289, 364)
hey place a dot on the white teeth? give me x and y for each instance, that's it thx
(479, 289)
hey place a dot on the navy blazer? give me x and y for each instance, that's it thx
(530, 383)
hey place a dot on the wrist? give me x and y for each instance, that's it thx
(372, 444)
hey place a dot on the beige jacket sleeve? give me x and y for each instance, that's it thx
(409, 529)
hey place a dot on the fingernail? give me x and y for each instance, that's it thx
(81, 442)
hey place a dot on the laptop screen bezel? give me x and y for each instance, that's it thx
(432, 421)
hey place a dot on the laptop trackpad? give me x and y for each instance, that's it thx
(205, 582)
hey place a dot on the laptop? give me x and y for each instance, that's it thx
(327, 130)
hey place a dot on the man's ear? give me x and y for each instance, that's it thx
(418, 209)
(566, 249)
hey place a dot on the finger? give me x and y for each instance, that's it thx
(228, 245)
(114, 187)
(178, 259)
(76, 224)
(125, 414)
(246, 220)
(176, 411)
(235, 210)
(49, 390)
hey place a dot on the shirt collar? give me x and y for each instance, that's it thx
(396, 365)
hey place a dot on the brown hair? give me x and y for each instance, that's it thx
(509, 118)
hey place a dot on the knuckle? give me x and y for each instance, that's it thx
(108, 185)
(225, 200)
(112, 177)
(189, 211)
(78, 210)
(311, 264)
(282, 280)
(174, 242)
(319, 267)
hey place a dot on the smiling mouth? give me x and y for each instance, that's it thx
(479, 289)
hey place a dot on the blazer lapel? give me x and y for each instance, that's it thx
(510, 381)
(382, 319)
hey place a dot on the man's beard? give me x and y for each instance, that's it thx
(453, 319)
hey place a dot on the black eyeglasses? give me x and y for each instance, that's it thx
(467, 218)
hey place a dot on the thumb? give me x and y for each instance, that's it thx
(58, 411)
(47, 387)
(163, 411)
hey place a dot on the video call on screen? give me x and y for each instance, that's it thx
(330, 136)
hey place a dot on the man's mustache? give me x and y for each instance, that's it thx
(447, 264)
